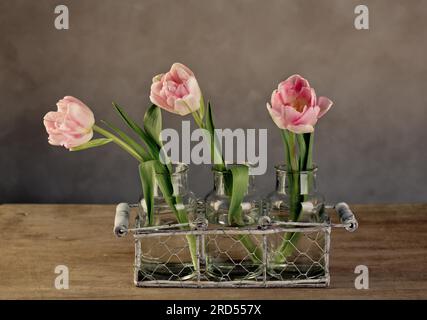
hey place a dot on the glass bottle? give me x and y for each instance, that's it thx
(168, 257)
(299, 254)
(232, 257)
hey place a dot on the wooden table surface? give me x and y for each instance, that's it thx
(391, 241)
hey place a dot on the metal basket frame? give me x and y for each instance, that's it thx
(265, 228)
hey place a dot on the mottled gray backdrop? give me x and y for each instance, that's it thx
(370, 147)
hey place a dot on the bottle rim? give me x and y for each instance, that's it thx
(178, 169)
(228, 165)
(283, 168)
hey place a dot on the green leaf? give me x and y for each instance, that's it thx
(211, 128)
(254, 251)
(305, 143)
(239, 187)
(305, 162)
(215, 147)
(148, 179)
(286, 147)
(128, 140)
(150, 143)
(289, 138)
(118, 141)
(302, 149)
(132, 124)
(202, 108)
(164, 181)
(153, 123)
(309, 141)
(209, 119)
(287, 246)
(92, 144)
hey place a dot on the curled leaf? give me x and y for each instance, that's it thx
(92, 144)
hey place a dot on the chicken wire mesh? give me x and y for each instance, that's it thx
(282, 254)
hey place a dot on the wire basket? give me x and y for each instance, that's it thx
(163, 259)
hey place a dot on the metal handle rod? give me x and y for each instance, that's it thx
(165, 226)
(121, 222)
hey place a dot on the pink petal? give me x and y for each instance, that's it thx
(291, 115)
(324, 104)
(71, 99)
(298, 82)
(78, 140)
(193, 100)
(194, 89)
(56, 139)
(70, 126)
(158, 77)
(300, 128)
(50, 121)
(287, 93)
(170, 100)
(81, 114)
(309, 117)
(276, 100)
(62, 106)
(156, 87)
(181, 91)
(181, 107)
(159, 101)
(308, 95)
(277, 116)
(54, 116)
(181, 70)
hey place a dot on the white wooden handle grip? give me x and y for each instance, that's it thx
(121, 221)
(346, 216)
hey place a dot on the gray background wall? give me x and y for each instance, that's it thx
(370, 147)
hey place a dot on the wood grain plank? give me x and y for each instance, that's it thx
(391, 241)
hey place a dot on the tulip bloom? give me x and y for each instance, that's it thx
(176, 91)
(70, 126)
(294, 105)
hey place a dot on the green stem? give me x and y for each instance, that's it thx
(305, 143)
(198, 119)
(290, 137)
(293, 165)
(182, 217)
(286, 147)
(119, 142)
(180, 214)
(302, 148)
(254, 251)
(309, 140)
(216, 153)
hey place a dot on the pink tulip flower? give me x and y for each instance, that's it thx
(176, 91)
(70, 126)
(294, 105)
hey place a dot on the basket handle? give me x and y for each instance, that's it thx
(121, 220)
(347, 217)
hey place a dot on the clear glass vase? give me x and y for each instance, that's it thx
(232, 257)
(300, 254)
(168, 257)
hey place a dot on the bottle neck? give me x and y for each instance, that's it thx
(179, 180)
(305, 181)
(220, 183)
